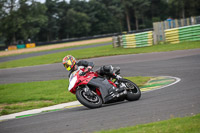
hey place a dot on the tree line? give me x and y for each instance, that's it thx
(60, 19)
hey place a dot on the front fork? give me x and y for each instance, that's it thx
(88, 91)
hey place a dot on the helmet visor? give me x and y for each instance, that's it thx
(68, 67)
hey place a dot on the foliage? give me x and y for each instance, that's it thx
(184, 8)
(78, 23)
(21, 19)
(59, 19)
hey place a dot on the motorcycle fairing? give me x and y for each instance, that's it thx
(75, 79)
(103, 85)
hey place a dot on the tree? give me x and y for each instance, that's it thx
(77, 23)
(22, 20)
(51, 29)
(178, 7)
(126, 6)
(58, 19)
(193, 8)
(63, 8)
(79, 5)
(34, 18)
(116, 11)
(8, 27)
(139, 8)
(159, 10)
(184, 8)
(101, 18)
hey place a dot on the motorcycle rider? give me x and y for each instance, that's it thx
(72, 65)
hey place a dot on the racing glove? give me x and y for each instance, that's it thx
(89, 68)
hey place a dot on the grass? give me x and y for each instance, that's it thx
(175, 125)
(96, 52)
(25, 96)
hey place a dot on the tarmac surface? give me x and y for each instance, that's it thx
(179, 100)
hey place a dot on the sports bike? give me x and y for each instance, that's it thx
(92, 89)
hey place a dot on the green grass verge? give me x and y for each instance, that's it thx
(175, 125)
(25, 96)
(97, 52)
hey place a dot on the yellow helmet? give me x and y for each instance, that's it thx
(69, 62)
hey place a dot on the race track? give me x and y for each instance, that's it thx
(181, 99)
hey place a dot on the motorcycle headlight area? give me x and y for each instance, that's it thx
(72, 83)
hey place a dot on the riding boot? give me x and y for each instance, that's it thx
(115, 93)
(115, 90)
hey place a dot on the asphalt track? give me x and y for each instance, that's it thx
(181, 99)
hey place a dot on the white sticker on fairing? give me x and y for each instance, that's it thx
(72, 83)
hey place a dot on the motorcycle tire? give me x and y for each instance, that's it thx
(95, 102)
(133, 91)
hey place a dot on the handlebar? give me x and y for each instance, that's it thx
(83, 73)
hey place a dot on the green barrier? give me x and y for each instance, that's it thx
(187, 33)
(196, 39)
(137, 40)
(20, 46)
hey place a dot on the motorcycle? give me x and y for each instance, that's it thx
(92, 89)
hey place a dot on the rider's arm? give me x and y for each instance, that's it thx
(91, 64)
(87, 66)
(85, 63)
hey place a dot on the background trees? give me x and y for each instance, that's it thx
(20, 20)
(58, 19)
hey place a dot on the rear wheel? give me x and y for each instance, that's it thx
(133, 91)
(90, 101)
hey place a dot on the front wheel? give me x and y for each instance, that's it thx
(89, 101)
(133, 91)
